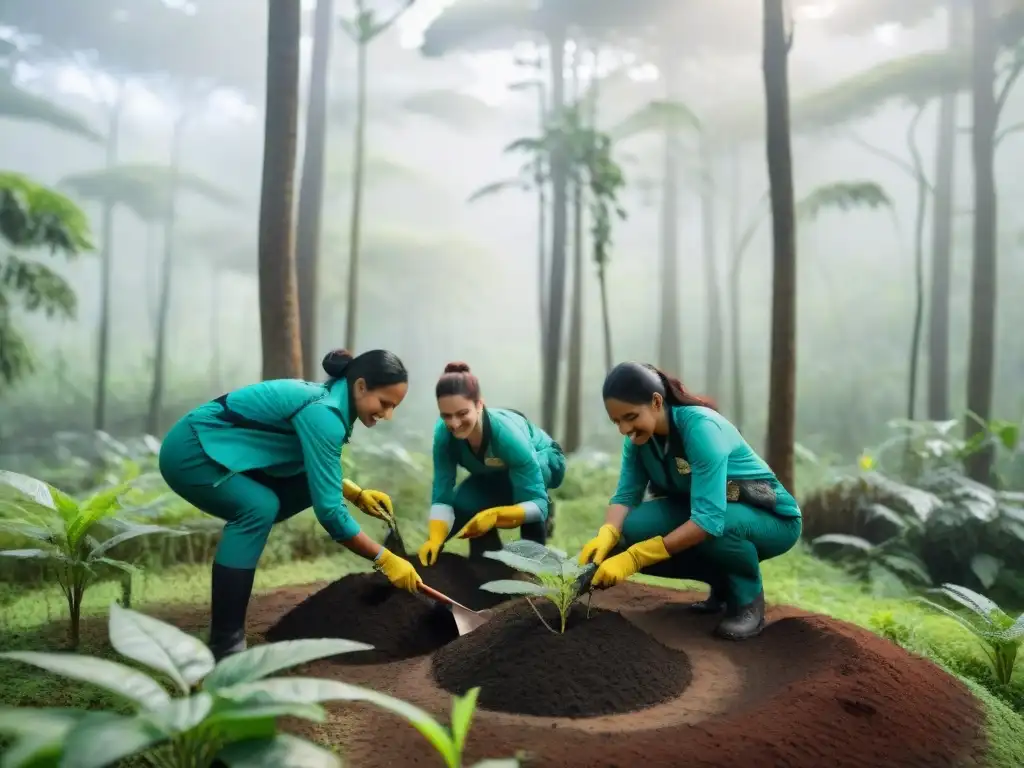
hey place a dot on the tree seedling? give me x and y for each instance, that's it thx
(559, 578)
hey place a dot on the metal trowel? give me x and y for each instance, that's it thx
(466, 619)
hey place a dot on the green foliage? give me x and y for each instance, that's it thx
(18, 104)
(560, 579)
(367, 26)
(884, 567)
(658, 115)
(1000, 634)
(843, 196)
(33, 217)
(886, 624)
(74, 538)
(453, 108)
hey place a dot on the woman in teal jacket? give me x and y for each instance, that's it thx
(718, 509)
(263, 453)
(512, 465)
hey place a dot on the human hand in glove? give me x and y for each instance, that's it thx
(399, 571)
(437, 533)
(616, 570)
(495, 517)
(374, 503)
(597, 549)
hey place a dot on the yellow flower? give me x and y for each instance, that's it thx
(866, 461)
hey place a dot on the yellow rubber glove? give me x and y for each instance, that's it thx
(495, 517)
(399, 571)
(616, 570)
(374, 503)
(597, 549)
(438, 532)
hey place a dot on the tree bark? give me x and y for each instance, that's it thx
(574, 380)
(981, 356)
(669, 340)
(311, 187)
(279, 311)
(355, 224)
(715, 334)
(782, 389)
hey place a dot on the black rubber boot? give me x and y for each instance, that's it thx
(713, 603)
(743, 623)
(229, 601)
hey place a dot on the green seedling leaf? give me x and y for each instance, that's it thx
(514, 587)
(39, 735)
(281, 750)
(66, 506)
(103, 738)
(531, 550)
(520, 563)
(159, 646)
(971, 600)
(114, 677)
(256, 663)
(34, 490)
(134, 532)
(120, 565)
(26, 554)
(230, 712)
(25, 529)
(463, 708)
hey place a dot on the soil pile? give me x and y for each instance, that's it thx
(601, 665)
(364, 607)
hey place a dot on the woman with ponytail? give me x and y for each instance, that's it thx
(263, 453)
(717, 509)
(512, 464)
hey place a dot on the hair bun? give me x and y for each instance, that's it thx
(335, 362)
(456, 368)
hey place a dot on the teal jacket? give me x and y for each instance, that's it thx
(512, 444)
(300, 427)
(703, 452)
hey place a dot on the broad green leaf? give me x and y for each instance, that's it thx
(159, 646)
(907, 567)
(463, 708)
(986, 568)
(524, 564)
(535, 551)
(843, 196)
(24, 529)
(981, 605)
(39, 733)
(65, 504)
(102, 739)
(180, 715)
(657, 115)
(35, 490)
(33, 751)
(973, 628)
(26, 554)
(514, 587)
(281, 750)
(120, 565)
(135, 532)
(114, 677)
(489, 190)
(263, 660)
(231, 712)
(841, 544)
(571, 569)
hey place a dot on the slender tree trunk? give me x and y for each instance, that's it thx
(358, 157)
(152, 279)
(606, 320)
(709, 223)
(669, 341)
(163, 310)
(735, 319)
(311, 188)
(782, 391)
(938, 408)
(981, 356)
(559, 231)
(216, 379)
(574, 380)
(542, 228)
(279, 311)
(921, 205)
(107, 271)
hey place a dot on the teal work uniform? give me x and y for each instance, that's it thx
(516, 464)
(260, 455)
(688, 474)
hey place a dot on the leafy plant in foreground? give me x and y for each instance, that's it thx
(560, 579)
(69, 534)
(886, 567)
(225, 712)
(1001, 635)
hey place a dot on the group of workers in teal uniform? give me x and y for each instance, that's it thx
(694, 501)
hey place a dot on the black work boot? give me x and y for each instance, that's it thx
(744, 622)
(229, 601)
(714, 603)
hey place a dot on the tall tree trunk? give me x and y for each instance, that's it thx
(559, 231)
(782, 391)
(921, 205)
(279, 311)
(358, 157)
(216, 369)
(163, 310)
(107, 270)
(735, 319)
(942, 238)
(574, 380)
(311, 187)
(542, 227)
(606, 320)
(983, 283)
(669, 341)
(709, 223)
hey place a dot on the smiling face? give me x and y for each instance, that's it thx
(460, 414)
(373, 405)
(637, 422)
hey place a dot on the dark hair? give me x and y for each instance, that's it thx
(637, 383)
(378, 367)
(457, 380)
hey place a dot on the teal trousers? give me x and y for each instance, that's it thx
(494, 489)
(250, 504)
(730, 563)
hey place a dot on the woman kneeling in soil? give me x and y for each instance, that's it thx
(263, 453)
(718, 509)
(512, 464)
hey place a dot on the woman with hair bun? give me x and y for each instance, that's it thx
(512, 464)
(718, 509)
(265, 452)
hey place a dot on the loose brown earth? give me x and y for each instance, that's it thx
(810, 692)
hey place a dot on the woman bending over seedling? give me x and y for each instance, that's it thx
(512, 464)
(263, 453)
(718, 510)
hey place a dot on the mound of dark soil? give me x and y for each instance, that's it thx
(602, 665)
(364, 607)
